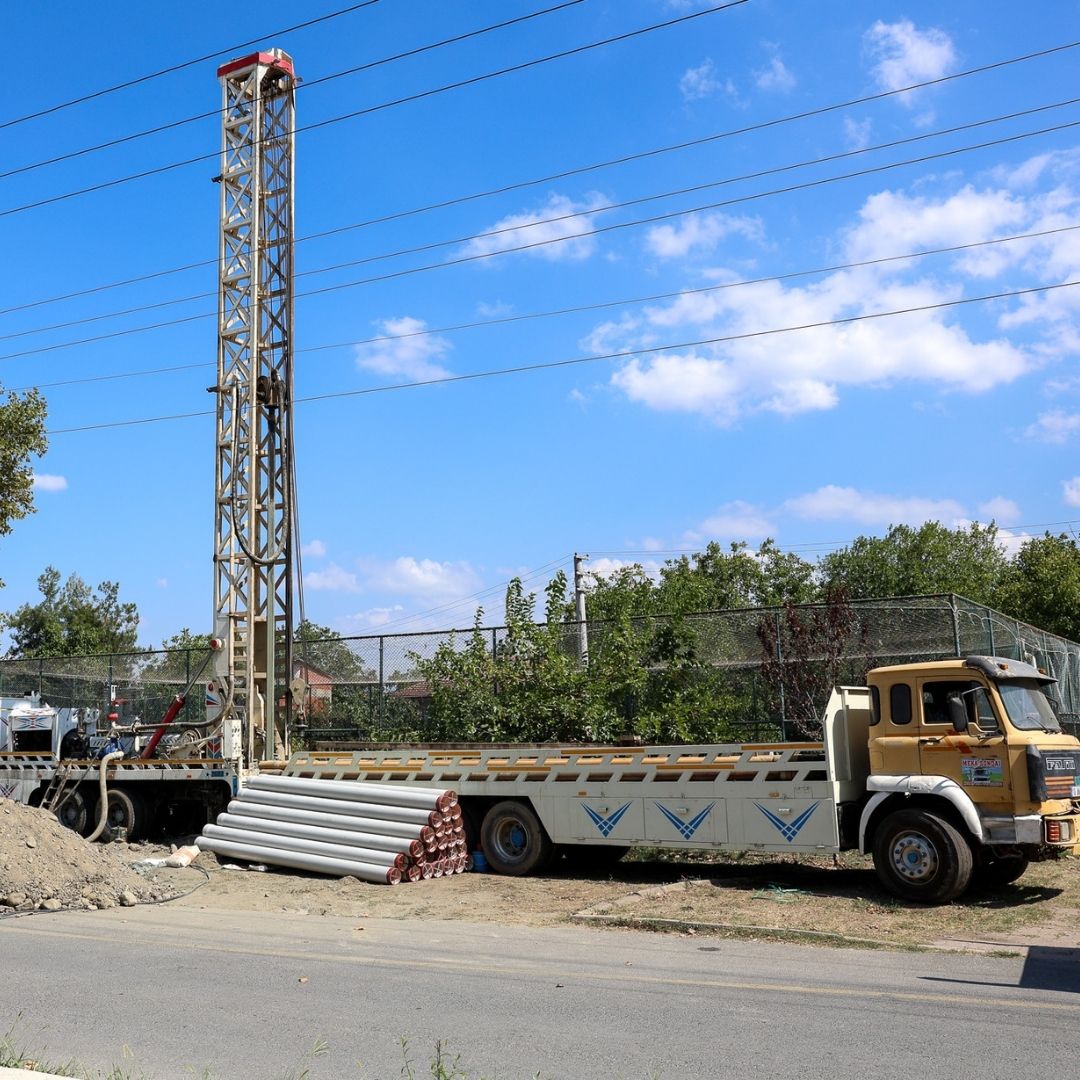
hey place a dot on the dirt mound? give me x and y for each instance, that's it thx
(44, 865)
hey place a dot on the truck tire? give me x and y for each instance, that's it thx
(513, 840)
(74, 813)
(126, 811)
(1003, 871)
(920, 856)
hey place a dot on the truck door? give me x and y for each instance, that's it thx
(977, 759)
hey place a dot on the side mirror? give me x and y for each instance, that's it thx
(958, 715)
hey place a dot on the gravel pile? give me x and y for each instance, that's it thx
(46, 866)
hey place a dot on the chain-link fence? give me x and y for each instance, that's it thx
(753, 673)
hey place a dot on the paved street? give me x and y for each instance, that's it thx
(158, 989)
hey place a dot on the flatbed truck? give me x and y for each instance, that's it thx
(946, 772)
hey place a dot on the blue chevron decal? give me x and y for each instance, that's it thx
(788, 829)
(686, 828)
(605, 824)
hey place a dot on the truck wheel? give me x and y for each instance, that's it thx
(513, 840)
(74, 813)
(1003, 871)
(920, 856)
(126, 812)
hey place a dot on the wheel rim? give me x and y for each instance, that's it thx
(117, 817)
(70, 813)
(914, 857)
(511, 841)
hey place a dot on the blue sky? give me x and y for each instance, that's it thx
(417, 503)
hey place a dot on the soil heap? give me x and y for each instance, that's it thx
(44, 865)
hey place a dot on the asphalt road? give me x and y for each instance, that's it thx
(168, 992)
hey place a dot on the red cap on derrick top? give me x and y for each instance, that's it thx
(276, 59)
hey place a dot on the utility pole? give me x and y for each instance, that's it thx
(579, 600)
(254, 490)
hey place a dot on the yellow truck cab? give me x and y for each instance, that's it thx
(970, 775)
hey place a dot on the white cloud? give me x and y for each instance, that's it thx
(548, 227)
(803, 371)
(775, 76)
(901, 54)
(426, 578)
(699, 232)
(49, 482)
(1071, 491)
(314, 548)
(699, 82)
(1056, 426)
(834, 503)
(736, 520)
(409, 352)
(333, 579)
(1000, 510)
(970, 350)
(161, 582)
(606, 567)
(857, 132)
(497, 309)
(681, 383)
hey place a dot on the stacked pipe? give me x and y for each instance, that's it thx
(376, 832)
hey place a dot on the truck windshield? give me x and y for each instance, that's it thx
(1027, 706)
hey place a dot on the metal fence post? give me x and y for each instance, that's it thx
(955, 622)
(780, 661)
(40, 676)
(187, 681)
(382, 682)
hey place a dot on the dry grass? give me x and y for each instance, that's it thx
(844, 897)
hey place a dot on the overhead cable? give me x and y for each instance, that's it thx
(623, 354)
(552, 177)
(597, 306)
(139, 80)
(307, 84)
(598, 230)
(369, 110)
(559, 218)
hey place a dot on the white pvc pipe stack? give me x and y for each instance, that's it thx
(331, 805)
(376, 832)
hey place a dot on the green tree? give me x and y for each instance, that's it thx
(329, 652)
(71, 619)
(1043, 586)
(932, 558)
(22, 437)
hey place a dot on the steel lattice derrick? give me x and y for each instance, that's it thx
(253, 473)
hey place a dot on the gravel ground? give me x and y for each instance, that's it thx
(43, 865)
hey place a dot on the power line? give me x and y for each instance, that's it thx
(812, 545)
(598, 306)
(139, 80)
(472, 597)
(623, 354)
(617, 226)
(307, 84)
(369, 110)
(565, 174)
(490, 233)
